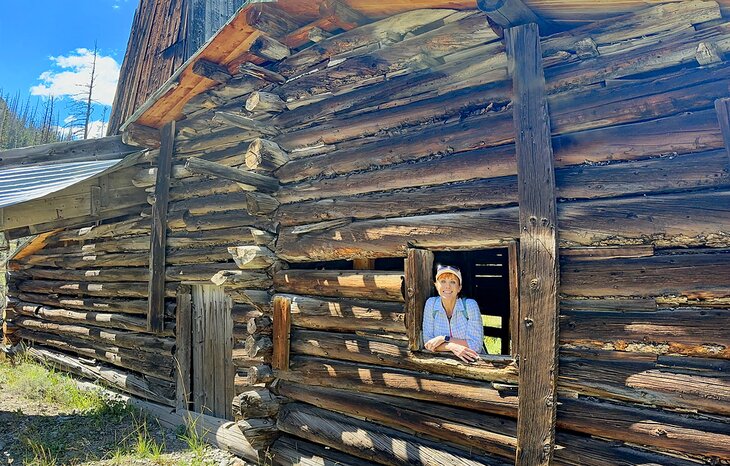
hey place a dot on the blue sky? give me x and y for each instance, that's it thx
(53, 39)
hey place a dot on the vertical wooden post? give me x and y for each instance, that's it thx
(538, 249)
(183, 345)
(212, 351)
(419, 286)
(514, 296)
(282, 328)
(158, 240)
(722, 107)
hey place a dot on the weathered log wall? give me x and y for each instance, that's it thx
(398, 134)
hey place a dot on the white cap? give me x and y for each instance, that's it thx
(442, 269)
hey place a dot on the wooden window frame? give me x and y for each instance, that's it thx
(419, 287)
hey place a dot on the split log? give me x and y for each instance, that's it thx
(218, 274)
(258, 299)
(371, 442)
(346, 315)
(479, 396)
(688, 331)
(252, 257)
(150, 364)
(259, 346)
(692, 275)
(124, 306)
(256, 403)
(266, 155)
(288, 450)
(376, 285)
(254, 375)
(264, 102)
(131, 226)
(395, 354)
(133, 341)
(211, 204)
(662, 220)
(218, 221)
(259, 432)
(259, 325)
(642, 378)
(255, 180)
(240, 121)
(95, 319)
(159, 391)
(684, 433)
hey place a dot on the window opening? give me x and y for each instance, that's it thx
(486, 275)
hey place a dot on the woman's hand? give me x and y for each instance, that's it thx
(464, 353)
(435, 342)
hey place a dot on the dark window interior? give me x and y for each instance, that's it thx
(486, 280)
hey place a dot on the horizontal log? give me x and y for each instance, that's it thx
(375, 285)
(256, 181)
(131, 340)
(570, 113)
(257, 299)
(218, 274)
(346, 315)
(259, 325)
(371, 442)
(131, 226)
(124, 306)
(288, 450)
(693, 275)
(158, 391)
(688, 331)
(682, 433)
(254, 127)
(218, 221)
(108, 148)
(258, 346)
(157, 366)
(488, 434)
(662, 220)
(658, 175)
(265, 155)
(380, 352)
(128, 289)
(641, 380)
(95, 319)
(479, 396)
(264, 102)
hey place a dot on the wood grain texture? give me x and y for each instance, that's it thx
(183, 345)
(539, 265)
(282, 325)
(722, 107)
(158, 239)
(419, 287)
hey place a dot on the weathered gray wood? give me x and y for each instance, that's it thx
(264, 102)
(107, 148)
(539, 274)
(252, 257)
(419, 286)
(370, 441)
(183, 345)
(287, 450)
(269, 48)
(256, 403)
(253, 70)
(158, 240)
(262, 183)
(510, 13)
(263, 154)
(248, 124)
(385, 286)
(156, 390)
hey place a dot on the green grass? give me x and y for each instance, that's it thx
(493, 344)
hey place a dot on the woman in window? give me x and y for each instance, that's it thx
(451, 323)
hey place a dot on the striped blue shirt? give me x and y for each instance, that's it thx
(436, 323)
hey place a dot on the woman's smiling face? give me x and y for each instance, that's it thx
(448, 286)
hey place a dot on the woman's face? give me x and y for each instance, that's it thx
(448, 286)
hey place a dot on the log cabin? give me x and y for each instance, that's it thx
(261, 257)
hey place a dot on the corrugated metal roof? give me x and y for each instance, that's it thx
(21, 184)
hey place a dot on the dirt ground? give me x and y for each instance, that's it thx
(43, 433)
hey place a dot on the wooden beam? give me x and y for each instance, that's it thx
(183, 345)
(262, 183)
(419, 286)
(158, 241)
(211, 70)
(141, 135)
(108, 148)
(510, 13)
(722, 107)
(538, 249)
(282, 326)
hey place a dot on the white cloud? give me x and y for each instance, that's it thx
(70, 75)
